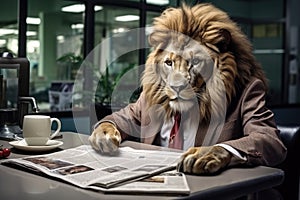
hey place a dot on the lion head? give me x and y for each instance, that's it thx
(200, 58)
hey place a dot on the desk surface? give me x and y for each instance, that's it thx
(230, 184)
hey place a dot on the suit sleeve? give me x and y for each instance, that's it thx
(261, 143)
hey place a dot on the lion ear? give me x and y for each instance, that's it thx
(155, 40)
(152, 41)
(225, 41)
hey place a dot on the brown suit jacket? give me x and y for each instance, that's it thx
(249, 126)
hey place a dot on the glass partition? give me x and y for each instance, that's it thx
(116, 52)
(55, 51)
(9, 27)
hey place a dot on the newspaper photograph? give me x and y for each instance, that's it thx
(127, 171)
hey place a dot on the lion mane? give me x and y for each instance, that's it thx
(228, 47)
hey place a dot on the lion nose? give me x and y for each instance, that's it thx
(177, 82)
(178, 88)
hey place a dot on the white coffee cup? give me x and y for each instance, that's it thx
(37, 129)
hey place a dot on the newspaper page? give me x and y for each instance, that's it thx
(171, 182)
(86, 168)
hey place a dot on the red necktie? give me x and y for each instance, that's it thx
(175, 140)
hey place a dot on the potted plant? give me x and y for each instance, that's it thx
(106, 84)
(68, 64)
(99, 96)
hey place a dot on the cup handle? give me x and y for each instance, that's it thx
(58, 127)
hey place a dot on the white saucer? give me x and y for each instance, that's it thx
(51, 144)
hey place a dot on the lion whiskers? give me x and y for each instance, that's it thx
(182, 101)
(181, 106)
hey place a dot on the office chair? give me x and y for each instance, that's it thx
(290, 135)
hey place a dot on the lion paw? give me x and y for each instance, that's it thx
(204, 160)
(105, 138)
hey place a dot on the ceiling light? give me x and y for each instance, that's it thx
(158, 2)
(31, 33)
(97, 8)
(77, 26)
(119, 30)
(5, 31)
(127, 18)
(78, 8)
(60, 38)
(2, 42)
(33, 20)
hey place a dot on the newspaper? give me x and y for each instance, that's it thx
(130, 170)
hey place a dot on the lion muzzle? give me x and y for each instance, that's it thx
(177, 82)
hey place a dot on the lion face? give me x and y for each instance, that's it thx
(178, 75)
(184, 70)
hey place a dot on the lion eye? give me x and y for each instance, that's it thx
(195, 61)
(168, 62)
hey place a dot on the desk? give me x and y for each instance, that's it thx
(230, 184)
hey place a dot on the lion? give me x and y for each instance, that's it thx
(202, 69)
